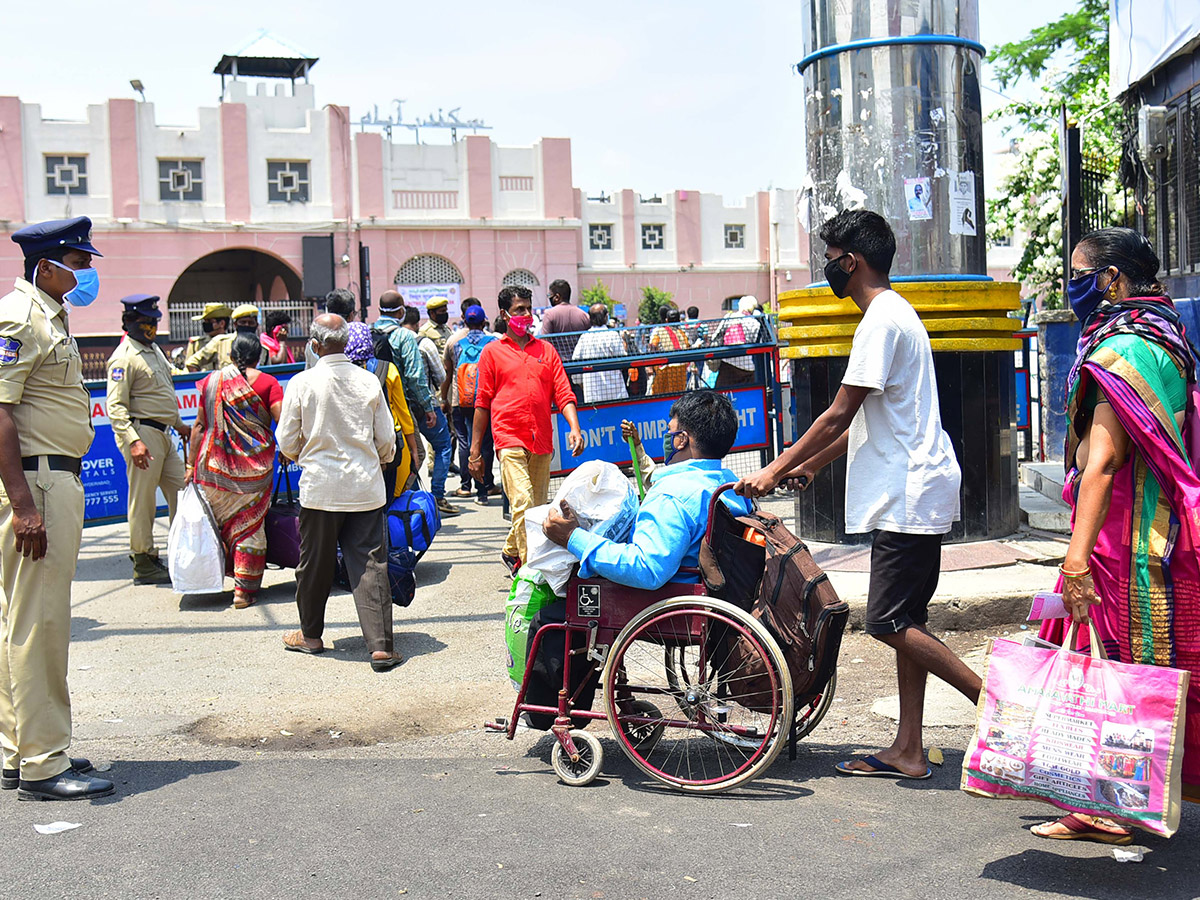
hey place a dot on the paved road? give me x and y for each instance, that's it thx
(385, 784)
(482, 828)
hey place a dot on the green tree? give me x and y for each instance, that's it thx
(1068, 58)
(654, 302)
(597, 293)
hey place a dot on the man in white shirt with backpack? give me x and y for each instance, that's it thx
(902, 477)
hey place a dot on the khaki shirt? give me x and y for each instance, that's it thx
(439, 334)
(140, 387)
(213, 355)
(197, 343)
(41, 375)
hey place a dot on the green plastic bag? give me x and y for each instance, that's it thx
(527, 597)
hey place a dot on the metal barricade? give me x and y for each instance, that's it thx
(637, 373)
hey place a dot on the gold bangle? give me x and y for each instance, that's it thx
(1074, 575)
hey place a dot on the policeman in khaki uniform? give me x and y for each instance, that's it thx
(215, 322)
(215, 354)
(45, 429)
(142, 409)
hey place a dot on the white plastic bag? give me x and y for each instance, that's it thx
(606, 504)
(195, 557)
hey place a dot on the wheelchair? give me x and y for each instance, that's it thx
(683, 708)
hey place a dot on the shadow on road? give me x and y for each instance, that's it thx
(1167, 873)
(410, 644)
(143, 776)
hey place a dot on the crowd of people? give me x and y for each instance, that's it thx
(353, 418)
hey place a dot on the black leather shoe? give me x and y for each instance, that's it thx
(11, 778)
(70, 785)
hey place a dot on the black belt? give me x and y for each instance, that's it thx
(55, 463)
(158, 426)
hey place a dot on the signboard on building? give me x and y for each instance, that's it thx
(419, 294)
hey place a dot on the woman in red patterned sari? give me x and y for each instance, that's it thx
(233, 459)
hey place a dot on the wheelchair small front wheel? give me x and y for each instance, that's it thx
(586, 768)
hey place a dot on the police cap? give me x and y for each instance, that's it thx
(142, 304)
(214, 311)
(59, 234)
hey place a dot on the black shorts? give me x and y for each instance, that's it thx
(904, 575)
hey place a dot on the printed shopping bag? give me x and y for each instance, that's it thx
(1081, 732)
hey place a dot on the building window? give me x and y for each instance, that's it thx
(519, 277)
(1002, 240)
(516, 182)
(735, 237)
(652, 237)
(180, 179)
(428, 269)
(66, 175)
(287, 181)
(600, 237)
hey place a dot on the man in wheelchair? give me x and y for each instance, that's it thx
(665, 544)
(672, 518)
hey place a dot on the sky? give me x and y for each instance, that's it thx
(657, 95)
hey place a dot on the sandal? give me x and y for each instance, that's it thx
(242, 601)
(387, 663)
(1080, 829)
(295, 641)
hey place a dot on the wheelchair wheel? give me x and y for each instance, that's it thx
(722, 716)
(583, 771)
(643, 735)
(810, 715)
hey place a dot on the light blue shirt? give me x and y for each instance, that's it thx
(667, 533)
(407, 357)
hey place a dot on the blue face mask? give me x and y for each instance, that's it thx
(87, 285)
(669, 448)
(1085, 295)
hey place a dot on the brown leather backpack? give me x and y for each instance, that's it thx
(755, 563)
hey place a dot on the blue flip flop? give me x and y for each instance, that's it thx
(880, 769)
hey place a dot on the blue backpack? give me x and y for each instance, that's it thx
(466, 373)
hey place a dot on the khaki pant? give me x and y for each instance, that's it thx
(166, 471)
(35, 629)
(526, 480)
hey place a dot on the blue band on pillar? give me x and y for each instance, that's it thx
(951, 40)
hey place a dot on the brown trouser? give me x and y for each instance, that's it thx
(526, 479)
(166, 472)
(35, 629)
(364, 551)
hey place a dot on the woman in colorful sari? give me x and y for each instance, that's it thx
(1132, 566)
(233, 459)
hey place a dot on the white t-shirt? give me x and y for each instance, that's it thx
(901, 472)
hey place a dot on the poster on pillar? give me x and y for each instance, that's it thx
(962, 204)
(919, 195)
(419, 295)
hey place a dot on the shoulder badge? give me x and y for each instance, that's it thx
(117, 374)
(10, 351)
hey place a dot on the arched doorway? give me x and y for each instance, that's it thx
(232, 277)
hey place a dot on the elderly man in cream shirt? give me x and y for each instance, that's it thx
(336, 424)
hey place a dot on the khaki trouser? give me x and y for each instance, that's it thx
(526, 480)
(35, 629)
(166, 471)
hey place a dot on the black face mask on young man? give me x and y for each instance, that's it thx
(838, 278)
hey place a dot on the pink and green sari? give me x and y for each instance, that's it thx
(235, 465)
(1146, 563)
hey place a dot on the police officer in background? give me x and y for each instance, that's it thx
(142, 409)
(213, 321)
(215, 354)
(45, 429)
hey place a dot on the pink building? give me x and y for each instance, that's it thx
(270, 197)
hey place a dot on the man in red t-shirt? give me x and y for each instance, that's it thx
(519, 377)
